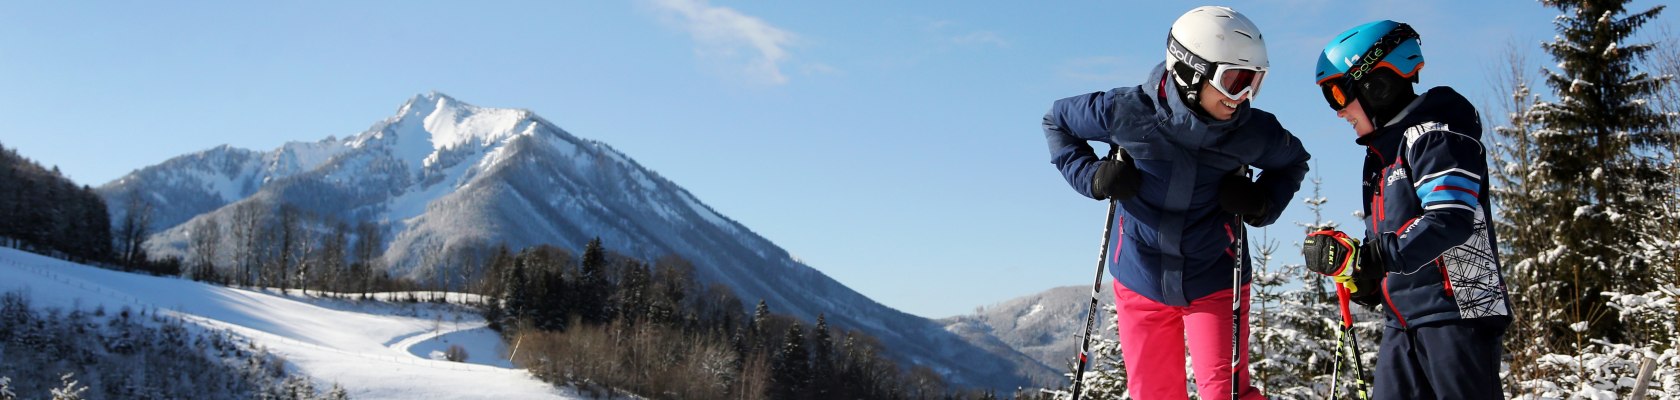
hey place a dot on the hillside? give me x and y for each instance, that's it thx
(375, 349)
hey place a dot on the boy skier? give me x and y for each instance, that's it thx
(1430, 255)
(1180, 139)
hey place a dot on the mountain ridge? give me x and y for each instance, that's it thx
(446, 176)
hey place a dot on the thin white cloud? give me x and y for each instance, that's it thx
(1107, 69)
(722, 33)
(819, 69)
(980, 38)
(943, 29)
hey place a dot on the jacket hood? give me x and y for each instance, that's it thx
(1187, 127)
(1440, 104)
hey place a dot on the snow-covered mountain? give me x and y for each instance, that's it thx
(193, 184)
(1045, 326)
(443, 175)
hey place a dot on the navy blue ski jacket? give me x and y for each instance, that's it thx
(1426, 210)
(1172, 243)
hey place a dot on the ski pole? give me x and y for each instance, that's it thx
(1352, 336)
(1096, 288)
(1240, 239)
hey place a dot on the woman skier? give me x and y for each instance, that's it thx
(1183, 141)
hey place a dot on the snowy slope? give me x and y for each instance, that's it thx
(375, 350)
(443, 176)
(1045, 326)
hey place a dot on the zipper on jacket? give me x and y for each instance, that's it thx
(1391, 306)
(1446, 280)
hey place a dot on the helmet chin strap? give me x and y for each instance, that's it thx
(1191, 95)
(1385, 94)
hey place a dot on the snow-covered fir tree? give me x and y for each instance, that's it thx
(1105, 376)
(1592, 177)
(790, 371)
(1587, 207)
(338, 393)
(1295, 320)
(71, 390)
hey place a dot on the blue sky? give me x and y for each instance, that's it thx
(893, 145)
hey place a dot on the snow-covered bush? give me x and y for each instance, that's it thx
(76, 354)
(1606, 370)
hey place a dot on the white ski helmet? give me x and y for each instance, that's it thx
(1206, 41)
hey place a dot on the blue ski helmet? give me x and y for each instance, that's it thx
(1353, 54)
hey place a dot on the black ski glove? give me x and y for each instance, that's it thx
(1369, 275)
(1117, 178)
(1238, 195)
(1332, 253)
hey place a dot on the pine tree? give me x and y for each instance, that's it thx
(1592, 174)
(790, 371)
(10, 186)
(594, 289)
(93, 227)
(757, 329)
(6, 389)
(551, 301)
(1105, 376)
(634, 296)
(672, 281)
(338, 393)
(822, 361)
(515, 298)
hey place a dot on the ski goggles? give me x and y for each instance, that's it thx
(1335, 94)
(1232, 80)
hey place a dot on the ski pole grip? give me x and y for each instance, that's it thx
(1342, 298)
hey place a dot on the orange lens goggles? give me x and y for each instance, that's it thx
(1335, 94)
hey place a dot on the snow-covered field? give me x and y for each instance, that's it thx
(375, 349)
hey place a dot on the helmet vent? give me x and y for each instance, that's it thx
(1345, 38)
(1245, 34)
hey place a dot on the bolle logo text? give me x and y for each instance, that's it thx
(1365, 64)
(1179, 52)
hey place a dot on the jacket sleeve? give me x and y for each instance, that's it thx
(1072, 122)
(1448, 170)
(1282, 167)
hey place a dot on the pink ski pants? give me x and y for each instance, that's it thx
(1152, 343)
